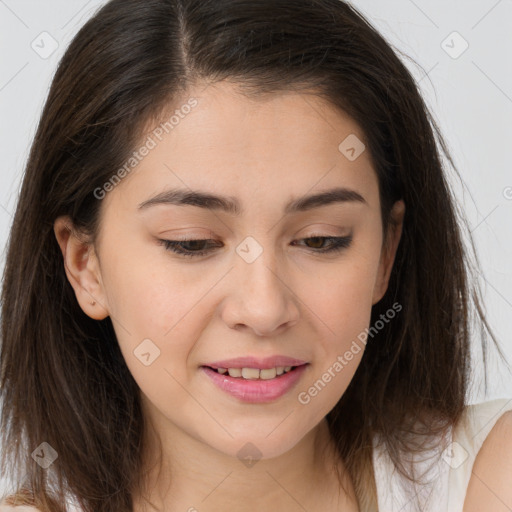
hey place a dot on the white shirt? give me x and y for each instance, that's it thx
(447, 465)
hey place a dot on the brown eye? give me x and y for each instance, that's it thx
(317, 242)
(337, 243)
(190, 248)
(193, 245)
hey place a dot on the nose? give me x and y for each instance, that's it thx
(260, 299)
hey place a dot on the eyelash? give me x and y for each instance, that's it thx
(337, 245)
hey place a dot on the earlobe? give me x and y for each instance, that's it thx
(82, 269)
(389, 250)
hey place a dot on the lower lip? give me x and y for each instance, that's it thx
(256, 390)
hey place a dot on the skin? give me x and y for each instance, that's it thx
(489, 486)
(291, 300)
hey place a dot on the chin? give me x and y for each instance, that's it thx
(259, 446)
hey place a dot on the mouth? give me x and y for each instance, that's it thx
(255, 385)
(248, 373)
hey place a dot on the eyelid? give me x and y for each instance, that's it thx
(339, 244)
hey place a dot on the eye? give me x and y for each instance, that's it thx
(337, 243)
(195, 246)
(199, 247)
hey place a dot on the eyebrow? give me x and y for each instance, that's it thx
(232, 206)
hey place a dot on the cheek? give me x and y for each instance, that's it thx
(344, 310)
(147, 292)
(153, 301)
(342, 301)
(342, 295)
(156, 330)
(346, 316)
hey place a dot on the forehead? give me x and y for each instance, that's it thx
(227, 121)
(283, 144)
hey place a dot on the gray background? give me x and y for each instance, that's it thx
(470, 94)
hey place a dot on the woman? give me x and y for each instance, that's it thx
(236, 278)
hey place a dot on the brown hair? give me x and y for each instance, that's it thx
(63, 378)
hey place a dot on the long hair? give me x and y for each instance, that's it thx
(63, 379)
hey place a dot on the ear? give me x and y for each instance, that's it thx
(82, 269)
(389, 249)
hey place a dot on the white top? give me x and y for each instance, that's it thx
(448, 479)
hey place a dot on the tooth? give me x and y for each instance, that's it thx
(250, 373)
(235, 372)
(255, 373)
(268, 373)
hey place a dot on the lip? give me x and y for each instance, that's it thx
(256, 362)
(256, 391)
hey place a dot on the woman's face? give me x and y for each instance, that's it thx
(267, 288)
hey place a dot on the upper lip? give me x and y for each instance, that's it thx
(257, 362)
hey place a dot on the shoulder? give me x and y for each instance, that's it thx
(490, 484)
